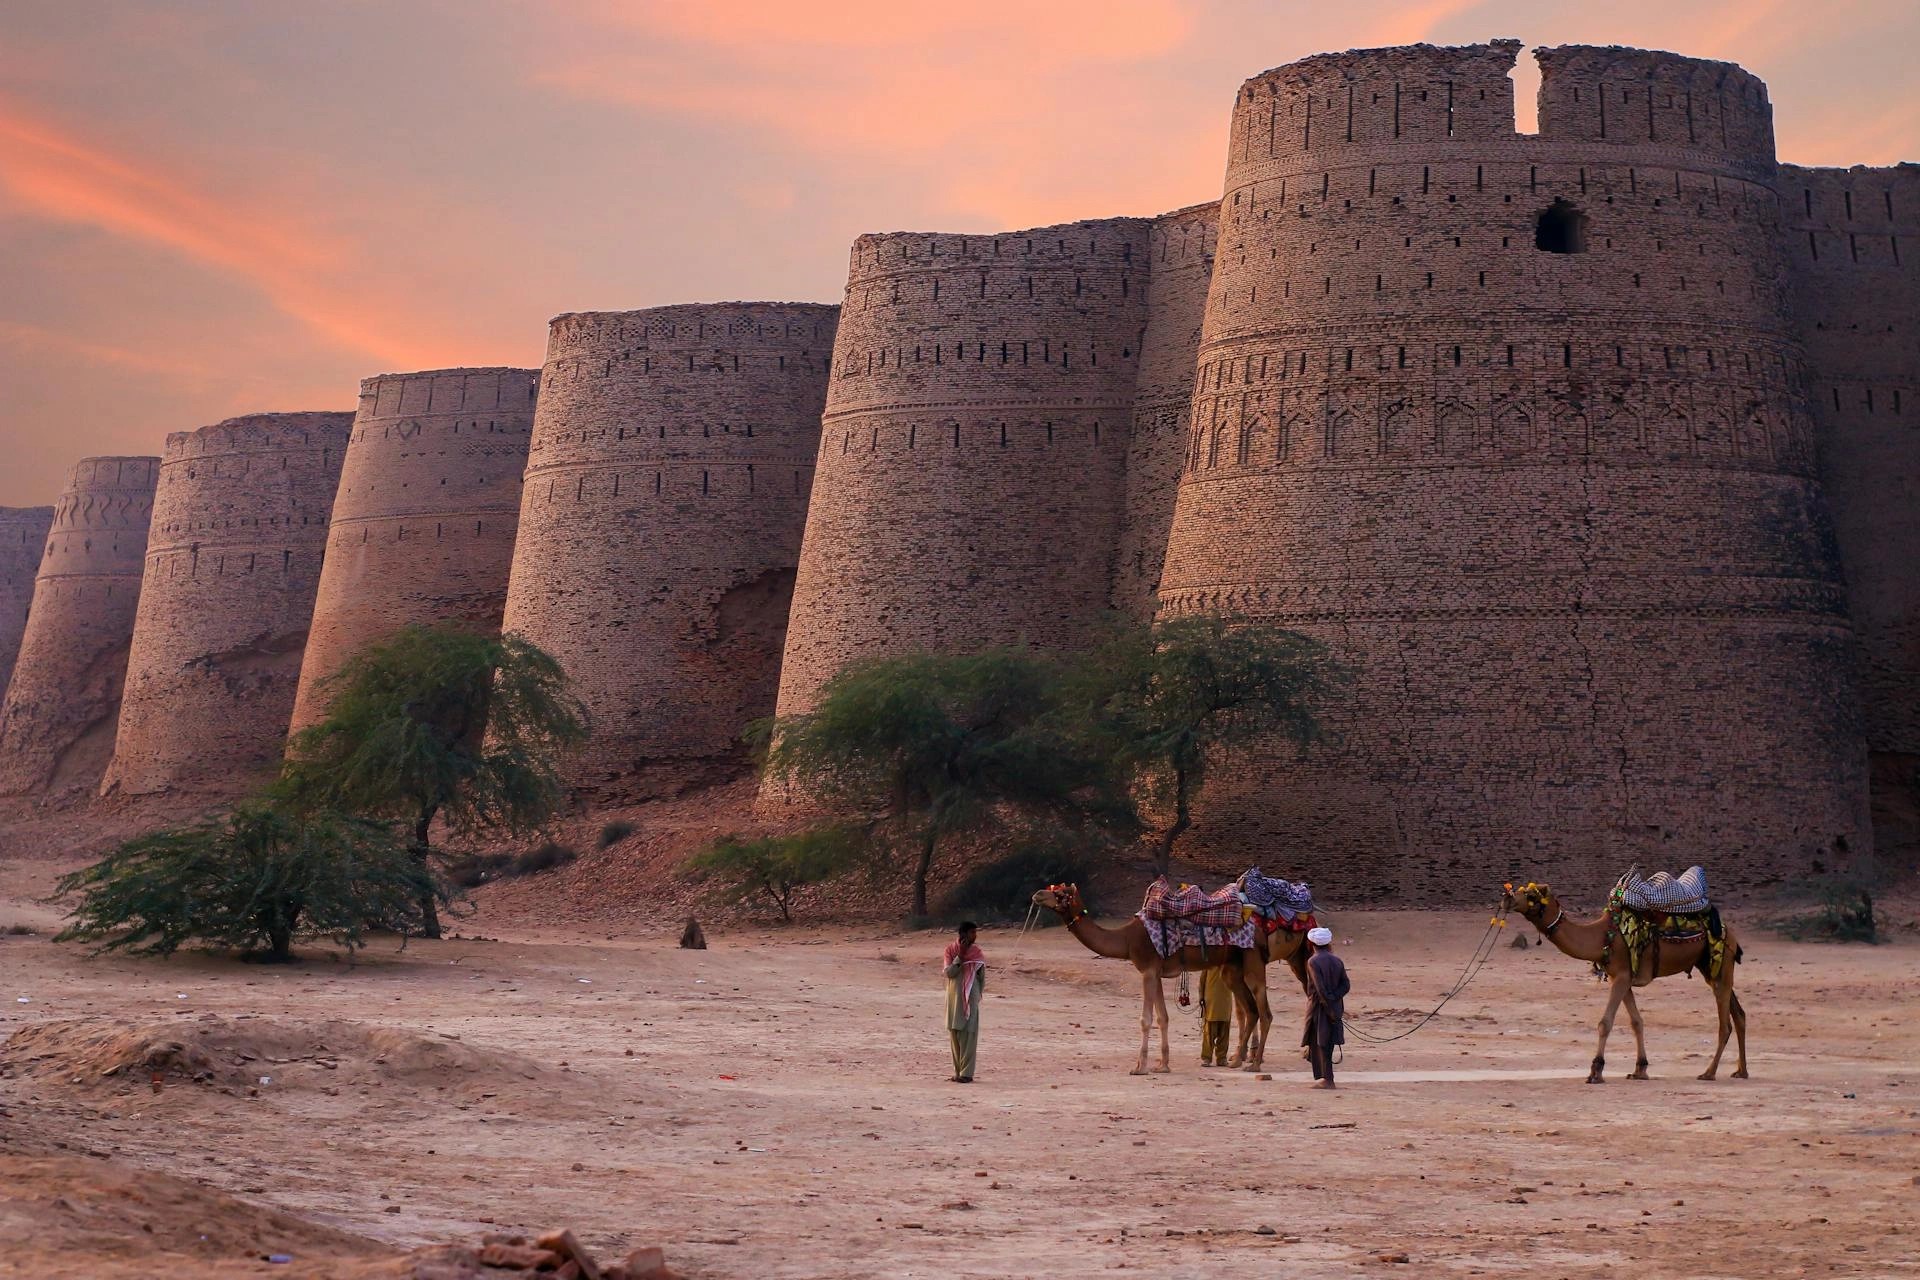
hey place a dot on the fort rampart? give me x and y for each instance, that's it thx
(1519, 425)
(239, 526)
(423, 523)
(63, 703)
(665, 494)
(23, 540)
(973, 450)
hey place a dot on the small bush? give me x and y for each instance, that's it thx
(775, 867)
(545, 858)
(476, 869)
(1845, 914)
(614, 832)
(1003, 889)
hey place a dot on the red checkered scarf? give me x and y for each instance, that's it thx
(974, 961)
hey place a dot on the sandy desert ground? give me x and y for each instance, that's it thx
(777, 1106)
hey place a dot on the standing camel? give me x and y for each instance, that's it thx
(1246, 973)
(1598, 942)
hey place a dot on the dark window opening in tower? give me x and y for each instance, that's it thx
(1560, 228)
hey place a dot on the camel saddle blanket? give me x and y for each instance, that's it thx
(1190, 904)
(1685, 894)
(1639, 930)
(1282, 900)
(1169, 936)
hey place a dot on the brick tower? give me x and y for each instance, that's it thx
(63, 703)
(666, 490)
(1519, 424)
(972, 454)
(423, 524)
(239, 526)
(23, 540)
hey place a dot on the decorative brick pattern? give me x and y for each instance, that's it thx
(666, 490)
(23, 540)
(423, 523)
(1559, 508)
(63, 703)
(239, 528)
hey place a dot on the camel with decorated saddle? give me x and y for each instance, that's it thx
(1653, 927)
(1185, 930)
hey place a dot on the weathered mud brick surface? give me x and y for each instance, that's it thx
(63, 704)
(239, 529)
(424, 519)
(23, 540)
(665, 495)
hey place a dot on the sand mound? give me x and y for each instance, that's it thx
(66, 1216)
(235, 1053)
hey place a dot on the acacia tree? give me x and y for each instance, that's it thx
(440, 723)
(929, 746)
(255, 875)
(1168, 699)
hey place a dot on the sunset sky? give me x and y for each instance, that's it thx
(224, 206)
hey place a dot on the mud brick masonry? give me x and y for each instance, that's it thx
(23, 537)
(63, 702)
(423, 523)
(232, 565)
(1594, 451)
(666, 489)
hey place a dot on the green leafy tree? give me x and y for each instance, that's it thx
(440, 723)
(931, 746)
(1168, 700)
(775, 867)
(256, 876)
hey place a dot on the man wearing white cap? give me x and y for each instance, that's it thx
(1326, 1008)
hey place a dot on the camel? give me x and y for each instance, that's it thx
(1590, 940)
(1247, 974)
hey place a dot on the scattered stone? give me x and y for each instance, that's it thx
(1520, 942)
(519, 1257)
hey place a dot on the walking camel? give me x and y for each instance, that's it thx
(1246, 973)
(1599, 942)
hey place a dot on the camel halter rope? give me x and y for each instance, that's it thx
(1482, 952)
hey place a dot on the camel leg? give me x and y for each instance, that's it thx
(1618, 991)
(1243, 1009)
(1257, 982)
(1160, 1007)
(1723, 1003)
(1148, 981)
(1639, 1071)
(1740, 1030)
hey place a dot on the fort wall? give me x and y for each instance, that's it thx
(1179, 267)
(23, 540)
(423, 523)
(1853, 239)
(666, 491)
(239, 528)
(973, 449)
(63, 704)
(1519, 425)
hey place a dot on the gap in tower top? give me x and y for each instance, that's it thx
(1526, 92)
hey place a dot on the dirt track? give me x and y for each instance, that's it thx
(777, 1106)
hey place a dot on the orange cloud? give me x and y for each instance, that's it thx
(984, 95)
(290, 260)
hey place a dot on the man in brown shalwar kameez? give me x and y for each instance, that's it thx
(1326, 1007)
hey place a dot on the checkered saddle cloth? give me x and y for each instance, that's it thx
(1684, 894)
(1192, 905)
(1275, 899)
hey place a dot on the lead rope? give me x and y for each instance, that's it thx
(1482, 953)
